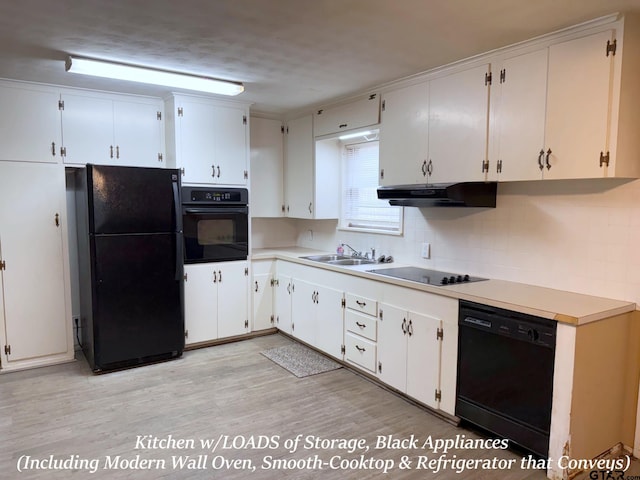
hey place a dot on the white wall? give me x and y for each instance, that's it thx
(579, 235)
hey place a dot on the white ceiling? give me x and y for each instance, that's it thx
(289, 54)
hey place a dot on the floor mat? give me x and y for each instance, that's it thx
(300, 360)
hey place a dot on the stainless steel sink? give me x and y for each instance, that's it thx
(343, 260)
(352, 261)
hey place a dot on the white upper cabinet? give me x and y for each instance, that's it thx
(578, 103)
(404, 135)
(311, 172)
(361, 113)
(29, 124)
(458, 122)
(112, 130)
(267, 168)
(520, 103)
(208, 140)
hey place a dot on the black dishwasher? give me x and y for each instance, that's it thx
(505, 373)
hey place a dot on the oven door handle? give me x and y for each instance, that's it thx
(220, 209)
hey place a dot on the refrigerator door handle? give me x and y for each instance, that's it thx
(178, 220)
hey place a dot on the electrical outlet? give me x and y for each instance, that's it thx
(426, 250)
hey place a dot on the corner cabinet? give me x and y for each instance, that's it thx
(311, 173)
(267, 168)
(35, 303)
(208, 140)
(216, 301)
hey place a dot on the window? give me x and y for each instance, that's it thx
(361, 209)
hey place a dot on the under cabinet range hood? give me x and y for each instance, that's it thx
(464, 194)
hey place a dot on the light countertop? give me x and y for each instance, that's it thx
(566, 307)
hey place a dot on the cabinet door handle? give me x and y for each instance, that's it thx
(53, 149)
(310, 204)
(215, 277)
(360, 349)
(546, 159)
(110, 151)
(342, 125)
(404, 326)
(56, 219)
(410, 328)
(540, 155)
(256, 286)
(424, 168)
(361, 325)
(361, 304)
(213, 171)
(289, 288)
(430, 167)
(117, 151)
(219, 275)
(218, 171)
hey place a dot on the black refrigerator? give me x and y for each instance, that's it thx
(130, 265)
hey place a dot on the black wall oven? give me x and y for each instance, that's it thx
(505, 373)
(215, 224)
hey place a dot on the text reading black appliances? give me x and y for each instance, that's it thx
(505, 373)
(215, 223)
(130, 263)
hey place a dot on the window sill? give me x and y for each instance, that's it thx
(397, 233)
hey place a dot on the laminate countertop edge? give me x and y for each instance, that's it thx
(563, 306)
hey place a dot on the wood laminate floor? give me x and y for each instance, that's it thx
(228, 392)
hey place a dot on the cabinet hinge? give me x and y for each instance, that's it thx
(439, 334)
(7, 349)
(186, 334)
(244, 119)
(485, 166)
(293, 327)
(380, 314)
(185, 276)
(272, 282)
(246, 272)
(319, 112)
(373, 96)
(438, 395)
(487, 78)
(382, 173)
(272, 319)
(611, 47)
(3, 265)
(60, 104)
(282, 129)
(499, 166)
(343, 349)
(379, 367)
(343, 303)
(503, 75)
(384, 105)
(63, 151)
(246, 324)
(182, 171)
(159, 115)
(180, 112)
(246, 174)
(604, 158)
(160, 157)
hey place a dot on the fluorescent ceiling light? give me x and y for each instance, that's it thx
(120, 71)
(355, 135)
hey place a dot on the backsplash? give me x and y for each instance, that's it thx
(578, 235)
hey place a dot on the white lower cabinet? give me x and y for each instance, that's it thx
(317, 316)
(263, 294)
(35, 310)
(282, 302)
(409, 353)
(216, 301)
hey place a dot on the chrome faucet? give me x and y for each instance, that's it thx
(355, 253)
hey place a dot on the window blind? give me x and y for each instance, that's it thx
(361, 207)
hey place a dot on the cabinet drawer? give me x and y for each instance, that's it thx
(360, 351)
(362, 304)
(363, 325)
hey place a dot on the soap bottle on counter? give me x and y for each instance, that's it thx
(340, 249)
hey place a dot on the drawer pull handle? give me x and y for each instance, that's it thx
(361, 304)
(361, 325)
(360, 349)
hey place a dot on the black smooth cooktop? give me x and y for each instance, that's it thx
(425, 275)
